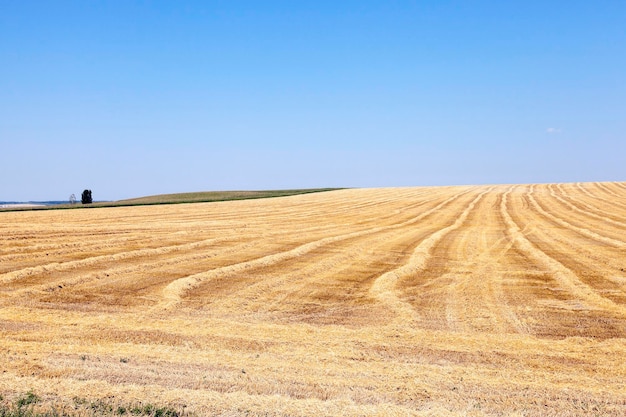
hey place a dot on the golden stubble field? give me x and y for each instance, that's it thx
(485, 300)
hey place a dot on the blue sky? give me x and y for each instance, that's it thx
(132, 98)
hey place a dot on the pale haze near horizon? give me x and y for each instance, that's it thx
(138, 98)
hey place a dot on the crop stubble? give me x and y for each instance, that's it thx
(482, 300)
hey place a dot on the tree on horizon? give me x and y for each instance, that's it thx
(86, 197)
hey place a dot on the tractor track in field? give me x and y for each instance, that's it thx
(476, 300)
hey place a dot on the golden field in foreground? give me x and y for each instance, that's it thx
(485, 300)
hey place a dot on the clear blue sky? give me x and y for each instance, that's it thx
(132, 98)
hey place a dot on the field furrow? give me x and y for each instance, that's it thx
(384, 287)
(584, 231)
(598, 193)
(174, 291)
(584, 210)
(576, 282)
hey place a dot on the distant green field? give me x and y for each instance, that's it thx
(180, 198)
(208, 196)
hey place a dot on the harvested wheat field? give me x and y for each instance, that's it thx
(460, 301)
